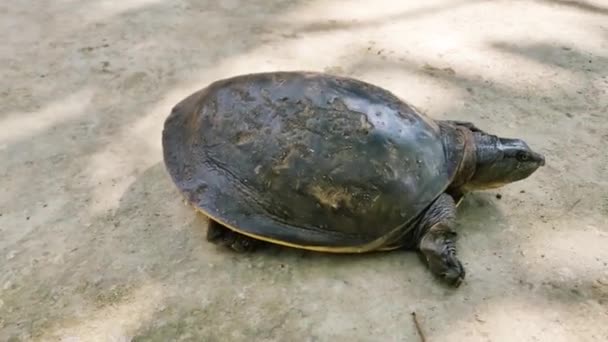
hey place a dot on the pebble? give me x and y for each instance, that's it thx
(498, 196)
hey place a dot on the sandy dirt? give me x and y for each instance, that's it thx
(96, 244)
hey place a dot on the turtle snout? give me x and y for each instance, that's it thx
(541, 159)
(538, 158)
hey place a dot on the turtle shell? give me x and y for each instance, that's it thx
(306, 159)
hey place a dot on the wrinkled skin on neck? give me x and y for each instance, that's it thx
(501, 161)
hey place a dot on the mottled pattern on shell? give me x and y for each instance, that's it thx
(306, 158)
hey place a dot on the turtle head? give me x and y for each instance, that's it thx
(500, 161)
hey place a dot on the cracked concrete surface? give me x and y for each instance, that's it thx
(96, 244)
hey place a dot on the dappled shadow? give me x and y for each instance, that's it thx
(564, 57)
(514, 105)
(589, 67)
(72, 267)
(581, 5)
(418, 13)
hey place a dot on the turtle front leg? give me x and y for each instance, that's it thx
(437, 238)
(222, 236)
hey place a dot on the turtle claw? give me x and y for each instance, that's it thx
(440, 254)
(243, 244)
(454, 274)
(450, 272)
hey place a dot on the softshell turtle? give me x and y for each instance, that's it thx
(333, 164)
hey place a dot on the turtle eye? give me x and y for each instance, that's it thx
(522, 156)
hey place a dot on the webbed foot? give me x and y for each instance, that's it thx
(438, 247)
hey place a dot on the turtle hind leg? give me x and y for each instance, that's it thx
(436, 241)
(223, 236)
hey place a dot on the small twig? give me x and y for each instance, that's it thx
(570, 208)
(574, 205)
(418, 328)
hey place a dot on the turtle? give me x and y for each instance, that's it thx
(331, 163)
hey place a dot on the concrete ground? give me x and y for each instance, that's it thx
(96, 244)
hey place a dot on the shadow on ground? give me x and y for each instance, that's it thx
(584, 6)
(103, 236)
